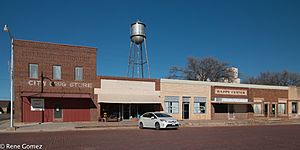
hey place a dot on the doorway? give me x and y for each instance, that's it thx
(266, 109)
(231, 112)
(186, 110)
(126, 111)
(294, 107)
(57, 111)
(273, 110)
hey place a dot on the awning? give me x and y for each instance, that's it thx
(56, 95)
(232, 102)
(128, 98)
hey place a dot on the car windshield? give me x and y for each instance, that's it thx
(162, 115)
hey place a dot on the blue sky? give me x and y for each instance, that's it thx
(254, 35)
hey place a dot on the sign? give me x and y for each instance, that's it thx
(37, 104)
(233, 100)
(60, 84)
(231, 92)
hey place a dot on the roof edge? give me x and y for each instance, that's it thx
(225, 84)
(52, 43)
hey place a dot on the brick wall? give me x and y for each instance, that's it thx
(268, 95)
(46, 55)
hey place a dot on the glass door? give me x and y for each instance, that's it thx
(57, 111)
(266, 109)
(294, 107)
(186, 110)
(273, 114)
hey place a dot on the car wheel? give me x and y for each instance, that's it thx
(141, 126)
(157, 126)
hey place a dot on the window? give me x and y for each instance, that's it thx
(56, 72)
(33, 71)
(257, 108)
(294, 107)
(199, 105)
(147, 115)
(37, 104)
(281, 108)
(172, 104)
(78, 73)
(152, 115)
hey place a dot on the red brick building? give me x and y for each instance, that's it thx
(72, 70)
(244, 101)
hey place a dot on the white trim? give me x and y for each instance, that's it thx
(233, 100)
(224, 84)
(37, 101)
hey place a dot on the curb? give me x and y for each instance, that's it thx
(130, 126)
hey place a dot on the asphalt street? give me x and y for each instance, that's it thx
(244, 137)
(4, 117)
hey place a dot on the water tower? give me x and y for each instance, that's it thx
(138, 52)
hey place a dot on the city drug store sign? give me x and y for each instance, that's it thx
(60, 84)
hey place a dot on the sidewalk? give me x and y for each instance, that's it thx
(77, 126)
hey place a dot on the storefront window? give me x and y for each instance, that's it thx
(172, 104)
(37, 104)
(257, 108)
(56, 72)
(199, 105)
(33, 71)
(281, 108)
(294, 107)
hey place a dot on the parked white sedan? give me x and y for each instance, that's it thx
(157, 120)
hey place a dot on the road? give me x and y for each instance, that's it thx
(239, 138)
(4, 117)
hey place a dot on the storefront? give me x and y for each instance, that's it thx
(270, 101)
(49, 107)
(127, 99)
(231, 103)
(294, 102)
(186, 100)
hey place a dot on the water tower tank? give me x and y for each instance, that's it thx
(137, 32)
(235, 72)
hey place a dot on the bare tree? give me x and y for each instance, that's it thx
(203, 69)
(283, 78)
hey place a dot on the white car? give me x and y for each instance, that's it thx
(157, 120)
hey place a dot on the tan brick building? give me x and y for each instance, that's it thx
(186, 99)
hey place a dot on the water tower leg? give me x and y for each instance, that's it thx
(133, 60)
(129, 59)
(147, 61)
(141, 59)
